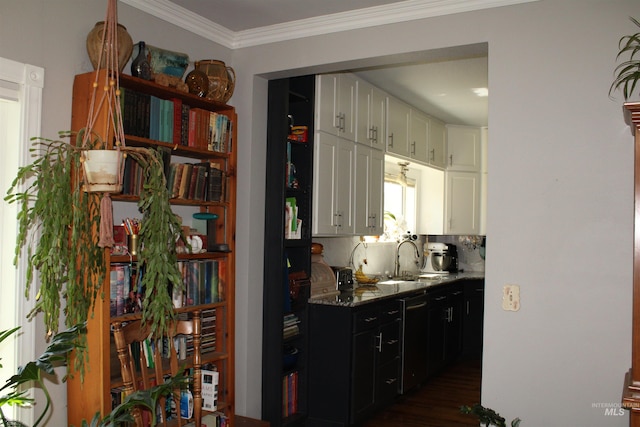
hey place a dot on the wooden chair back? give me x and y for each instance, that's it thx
(130, 342)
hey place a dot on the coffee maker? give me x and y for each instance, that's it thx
(439, 258)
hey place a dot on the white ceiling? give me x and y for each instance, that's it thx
(441, 88)
(240, 15)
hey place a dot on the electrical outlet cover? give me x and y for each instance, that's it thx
(511, 298)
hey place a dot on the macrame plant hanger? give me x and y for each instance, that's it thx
(108, 99)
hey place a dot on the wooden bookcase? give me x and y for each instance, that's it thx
(287, 258)
(102, 375)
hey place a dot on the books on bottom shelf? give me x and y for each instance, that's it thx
(290, 326)
(290, 394)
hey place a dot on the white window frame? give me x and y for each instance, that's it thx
(29, 83)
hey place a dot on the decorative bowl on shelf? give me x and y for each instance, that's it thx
(164, 61)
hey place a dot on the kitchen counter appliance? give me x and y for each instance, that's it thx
(439, 258)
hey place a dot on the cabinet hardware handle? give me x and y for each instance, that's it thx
(392, 312)
(391, 381)
(467, 307)
(391, 342)
(413, 148)
(371, 319)
(375, 134)
(457, 293)
(433, 154)
(440, 298)
(450, 159)
(391, 140)
(339, 121)
(379, 345)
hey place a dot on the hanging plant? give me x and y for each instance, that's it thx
(628, 72)
(63, 229)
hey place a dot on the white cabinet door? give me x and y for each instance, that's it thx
(345, 186)
(376, 193)
(378, 115)
(462, 207)
(463, 145)
(335, 104)
(370, 117)
(397, 127)
(333, 185)
(437, 143)
(369, 187)
(363, 113)
(418, 136)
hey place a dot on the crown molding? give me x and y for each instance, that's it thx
(407, 10)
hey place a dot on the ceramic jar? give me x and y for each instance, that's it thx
(94, 46)
(222, 79)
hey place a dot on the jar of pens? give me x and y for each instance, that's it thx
(132, 227)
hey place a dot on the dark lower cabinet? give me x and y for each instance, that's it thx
(473, 319)
(445, 305)
(355, 352)
(354, 359)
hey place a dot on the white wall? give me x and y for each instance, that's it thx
(559, 193)
(560, 187)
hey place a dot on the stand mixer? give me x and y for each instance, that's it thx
(439, 258)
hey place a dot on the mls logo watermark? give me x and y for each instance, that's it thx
(614, 409)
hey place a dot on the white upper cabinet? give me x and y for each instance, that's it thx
(398, 115)
(333, 185)
(418, 136)
(369, 187)
(437, 144)
(336, 104)
(462, 203)
(463, 148)
(370, 115)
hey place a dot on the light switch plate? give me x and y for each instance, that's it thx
(511, 297)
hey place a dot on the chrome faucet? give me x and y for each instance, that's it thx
(397, 266)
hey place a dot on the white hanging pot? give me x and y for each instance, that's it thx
(102, 169)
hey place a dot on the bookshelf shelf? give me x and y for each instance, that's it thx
(287, 263)
(103, 376)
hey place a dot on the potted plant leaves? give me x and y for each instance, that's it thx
(627, 73)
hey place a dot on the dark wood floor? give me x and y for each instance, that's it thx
(436, 404)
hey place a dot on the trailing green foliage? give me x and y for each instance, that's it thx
(141, 399)
(488, 416)
(158, 235)
(59, 226)
(33, 373)
(55, 223)
(628, 72)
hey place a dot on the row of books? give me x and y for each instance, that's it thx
(290, 326)
(204, 181)
(203, 281)
(197, 181)
(290, 394)
(172, 121)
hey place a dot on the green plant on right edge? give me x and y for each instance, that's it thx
(627, 73)
(488, 416)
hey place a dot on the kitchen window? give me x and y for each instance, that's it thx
(399, 204)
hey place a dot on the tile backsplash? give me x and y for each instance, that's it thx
(378, 258)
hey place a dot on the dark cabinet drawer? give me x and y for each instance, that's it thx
(389, 341)
(366, 319)
(388, 381)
